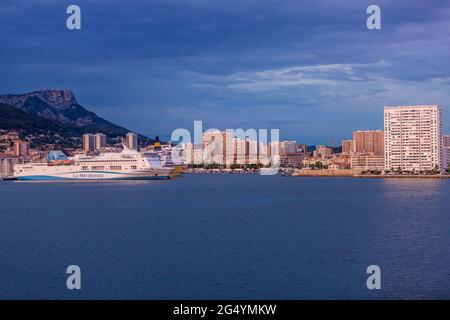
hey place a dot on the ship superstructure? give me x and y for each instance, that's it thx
(126, 165)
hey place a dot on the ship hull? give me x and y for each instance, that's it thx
(93, 175)
(126, 165)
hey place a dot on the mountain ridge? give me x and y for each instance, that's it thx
(61, 109)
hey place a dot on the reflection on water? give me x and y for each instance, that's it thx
(415, 187)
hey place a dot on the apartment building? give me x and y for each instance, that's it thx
(413, 138)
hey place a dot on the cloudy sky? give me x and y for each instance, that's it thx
(310, 68)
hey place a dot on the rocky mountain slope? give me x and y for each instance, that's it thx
(54, 111)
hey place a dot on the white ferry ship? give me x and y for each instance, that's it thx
(126, 165)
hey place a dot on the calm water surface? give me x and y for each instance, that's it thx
(226, 237)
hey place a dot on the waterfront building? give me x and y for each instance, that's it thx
(368, 141)
(228, 148)
(214, 147)
(446, 151)
(21, 148)
(291, 153)
(251, 151)
(88, 142)
(413, 138)
(100, 141)
(311, 161)
(132, 140)
(348, 146)
(337, 166)
(186, 153)
(264, 153)
(225, 149)
(367, 161)
(239, 153)
(322, 151)
(343, 160)
(189, 153)
(294, 160)
(287, 147)
(197, 154)
(243, 152)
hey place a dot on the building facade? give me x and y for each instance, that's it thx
(446, 151)
(348, 146)
(368, 141)
(132, 140)
(287, 147)
(88, 142)
(413, 138)
(226, 149)
(322, 151)
(100, 141)
(367, 162)
(215, 148)
(21, 148)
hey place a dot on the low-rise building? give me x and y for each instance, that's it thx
(322, 151)
(337, 166)
(315, 162)
(446, 150)
(294, 160)
(367, 161)
(10, 136)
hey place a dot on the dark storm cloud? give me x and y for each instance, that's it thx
(157, 65)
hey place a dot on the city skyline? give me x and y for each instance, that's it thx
(297, 66)
(224, 159)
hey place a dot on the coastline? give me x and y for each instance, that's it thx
(404, 176)
(357, 174)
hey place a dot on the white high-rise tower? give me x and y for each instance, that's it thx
(413, 138)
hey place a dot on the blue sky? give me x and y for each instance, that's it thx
(310, 68)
